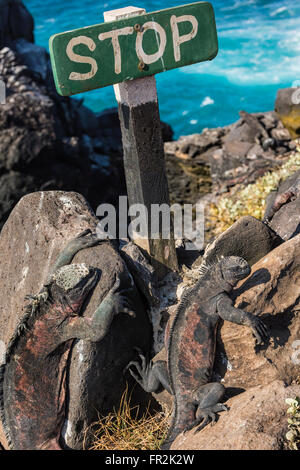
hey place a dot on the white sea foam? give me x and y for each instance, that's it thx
(207, 101)
(257, 55)
(259, 45)
(237, 4)
(281, 10)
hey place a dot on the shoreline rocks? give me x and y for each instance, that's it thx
(42, 146)
(218, 159)
(15, 22)
(283, 208)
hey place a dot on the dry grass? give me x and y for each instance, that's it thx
(124, 429)
(250, 200)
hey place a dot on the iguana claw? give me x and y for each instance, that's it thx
(205, 423)
(84, 233)
(208, 415)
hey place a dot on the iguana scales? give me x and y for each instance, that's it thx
(191, 343)
(33, 375)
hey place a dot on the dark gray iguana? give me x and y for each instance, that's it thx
(191, 346)
(33, 376)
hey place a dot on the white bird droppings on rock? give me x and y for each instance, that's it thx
(24, 274)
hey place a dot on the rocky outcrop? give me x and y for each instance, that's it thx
(248, 237)
(283, 208)
(44, 145)
(37, 229)
(15, 22)
(220, 158)
(286, 222)
(256, 420)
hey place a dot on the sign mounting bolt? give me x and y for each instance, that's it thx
(141, 65)
(137, 27)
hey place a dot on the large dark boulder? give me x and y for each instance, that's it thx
(220, 158)
(248, 237)
(15, 22)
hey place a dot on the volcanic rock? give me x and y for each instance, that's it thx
(256, 420)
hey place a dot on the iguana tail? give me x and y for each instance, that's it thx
(183, 415)
(2, 412)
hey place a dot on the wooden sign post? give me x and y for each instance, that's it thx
(126, 51)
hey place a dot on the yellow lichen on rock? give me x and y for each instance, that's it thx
(251, 199)
(293, 434)
(291, 121)
(287, 108)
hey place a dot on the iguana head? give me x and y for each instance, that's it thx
(72, 284)
(233, 269)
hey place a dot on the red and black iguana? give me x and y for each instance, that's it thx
(191, 345)
(33, 375)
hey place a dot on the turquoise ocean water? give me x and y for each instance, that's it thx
(259, 52)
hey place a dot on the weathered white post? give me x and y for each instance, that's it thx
(143, 148)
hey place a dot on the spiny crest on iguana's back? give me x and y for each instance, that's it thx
(204, 272)
(31, 311)
(66, 277)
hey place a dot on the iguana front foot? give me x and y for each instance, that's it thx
(205, 417)
(85, 239)
(259, 330)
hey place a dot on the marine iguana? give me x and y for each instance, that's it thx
(33, 376)
(190, 344)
